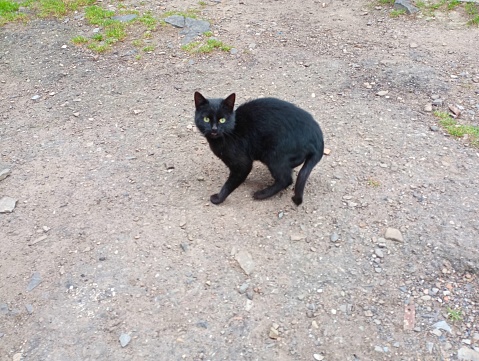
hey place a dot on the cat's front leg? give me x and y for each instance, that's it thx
(238, 174)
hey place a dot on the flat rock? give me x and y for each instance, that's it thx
(443, 326)
(193, 28)
(298, 237)
(382, 93)
(467, 354)
(35, 280)
(125, 18)
(406, 6)
(245, 261)
(7, 204)
(124, 339)
(176, 20)
(29, 308)
(394, 235)
(4, 173)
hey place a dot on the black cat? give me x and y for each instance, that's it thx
(275, 132)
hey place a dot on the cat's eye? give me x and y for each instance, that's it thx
(206, 119)
(222, 120)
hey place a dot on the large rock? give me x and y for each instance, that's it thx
(176, 20)
(467, 354)
(245, 261)
(406, 6)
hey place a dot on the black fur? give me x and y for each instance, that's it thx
(275, 132)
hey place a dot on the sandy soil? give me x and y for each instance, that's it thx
(112, 183)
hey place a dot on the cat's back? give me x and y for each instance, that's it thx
(273, 114)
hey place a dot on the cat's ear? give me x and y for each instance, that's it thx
(230, 102)
(200, 100)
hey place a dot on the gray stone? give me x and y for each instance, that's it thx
(202, 324)
(4, 173)
(438, 102)
(378, 349)
(379, 252)
(428, 108)
(193, 28)
(3, 308)
(334, 237)
(125, 18)
(242, 289)
(467, 354)
(406, 6)
(29, 308)
(394, 235)
(245, 261)
(176, 20)
(35, 280)
(124, 339)
(36, 97)
(7, 204)
(434, 128)
(233, 51)
(442, 325)
(250, 294)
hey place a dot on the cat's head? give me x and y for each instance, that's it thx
(214, 117)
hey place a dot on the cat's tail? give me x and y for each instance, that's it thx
(311, 160)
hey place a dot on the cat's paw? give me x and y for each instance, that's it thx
(297, 200)
(216, 199)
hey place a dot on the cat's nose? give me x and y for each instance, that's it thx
(214, 127)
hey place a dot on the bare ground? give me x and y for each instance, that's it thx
(108, 166)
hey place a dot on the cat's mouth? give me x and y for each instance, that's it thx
(214, 135)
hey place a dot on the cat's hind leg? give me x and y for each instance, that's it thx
(238, 174)
(310, 162)
(282, 179)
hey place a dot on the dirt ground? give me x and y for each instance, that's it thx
(112, 183)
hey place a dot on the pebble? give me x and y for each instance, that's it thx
(382, 92)
(242, 289)
(248, 306)
(467, 354)
(378, 349)
(35, 97)
(428, 107)
(318, 357)
(245, 261)
(334, 237)
(314, 324)
(234, 51)
(436, 332)
(4, 173)
(437, 102)
(378, 252)
(17, 357)
(35, 280)
(413, 45)
(250, 294)
(327, 151)
(394, 235)
(184, 246)
(434, 128)
(273, 333)
(7, 204)
(124, 339)
(429, 346)
(368, 313)
(29, 308)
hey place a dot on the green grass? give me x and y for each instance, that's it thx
(98, 16)
(149, 48)
(205, 47)
(386, 2)
(457, 130)
(454, 315)
(9, 12)
(148, 21)
(397, 13)
(208, 34)
(201, 3)
(473, 11)
(78, 40)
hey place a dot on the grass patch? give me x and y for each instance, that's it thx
(452, 127)
(78, 40)
(98, 16)
(397, 13)
(473, 11)
(149, 48)
(148, 21)
(454, 315)
(386, 2)
(207, 46)
(9, 12)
